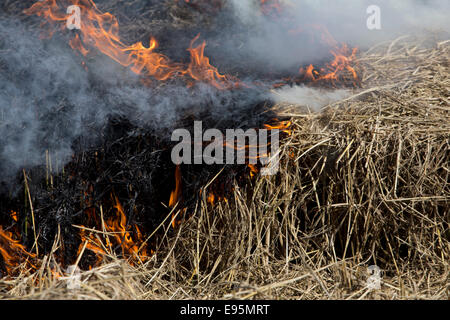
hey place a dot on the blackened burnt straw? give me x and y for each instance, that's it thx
(121, 183)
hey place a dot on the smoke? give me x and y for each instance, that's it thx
(48, 100)
(311, 98)
(288, 37)
(349, 18)
(32, 80)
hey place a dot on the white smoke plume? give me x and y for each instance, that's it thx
(272, 40)
(312, 98)
(47, 99)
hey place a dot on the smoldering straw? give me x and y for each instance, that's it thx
(47, 99)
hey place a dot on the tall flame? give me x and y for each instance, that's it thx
(175, 195)
(118, 233)
(11, 250)
(101, 31)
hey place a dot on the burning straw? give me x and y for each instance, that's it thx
(365, 182)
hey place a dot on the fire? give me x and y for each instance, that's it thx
(214, 198)
(253, 170)
(344, 59)
(175, 196)
(12, 251)
(122, 235)
(211, 198)
(283, 126)
(89, 240)
(201, 70)
(93, 244)
(101, 31)
(14, 216)
(116, 233)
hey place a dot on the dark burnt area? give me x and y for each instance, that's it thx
(175, 23)
(129, 162)
(124, 159)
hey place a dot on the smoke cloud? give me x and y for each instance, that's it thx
(312, 98)
(48, 99)
(284, 38)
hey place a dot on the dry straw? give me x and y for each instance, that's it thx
(366, 181)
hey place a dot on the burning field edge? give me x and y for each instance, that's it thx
(364, 182)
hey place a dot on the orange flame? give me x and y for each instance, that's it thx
(343, 57)
(14, 216)
(12, 251)
(253, 170)
(211, 198)
(121, 236)
(101, 31)
(283, 126)
(343, 61)
(201, 70)
(93, 244)
(175, 195)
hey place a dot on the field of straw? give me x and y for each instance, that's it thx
(364, 182)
